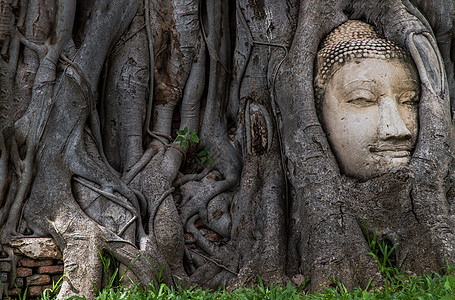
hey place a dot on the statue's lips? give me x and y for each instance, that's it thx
(392, 151)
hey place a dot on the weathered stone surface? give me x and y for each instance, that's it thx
(37, 248)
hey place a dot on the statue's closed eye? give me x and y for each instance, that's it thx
(362, 98)
(409, 98)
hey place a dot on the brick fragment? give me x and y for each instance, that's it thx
(14, 292)
(30, 263)
(35, 291)
(38, 279)
(4, 277)
(55, 269)
(23, 272)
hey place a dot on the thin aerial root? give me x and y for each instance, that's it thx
(15, 157)
(109, 196)
(215, 262)
(159, 135)
(130, 222)
(178, 148)
(156, 204)
(96, 130)
(40, 50)
(241, 72)
(201, 240)
(247, 127)
(4, 178)
(14, 45)
(193, 177)
(126, 39)
(26, 178)
(260, 43)
(121, 241)
(145, 159)
(212, 52)
(148, 117)
(142, 200)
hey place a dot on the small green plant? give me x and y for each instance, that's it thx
(24, 295)
(382, 253)
(49, 293)
(113, 276)
(204, 155)
(185, 136)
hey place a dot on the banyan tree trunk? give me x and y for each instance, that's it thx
(183, 136)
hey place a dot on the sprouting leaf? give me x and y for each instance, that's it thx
(203, 159)
(212, 160)
(194, 138)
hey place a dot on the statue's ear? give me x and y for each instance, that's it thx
(425, 53)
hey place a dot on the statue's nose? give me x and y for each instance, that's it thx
(391, 124)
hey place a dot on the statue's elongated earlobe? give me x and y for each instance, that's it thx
(428, 60)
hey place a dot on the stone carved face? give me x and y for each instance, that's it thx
(370, 114)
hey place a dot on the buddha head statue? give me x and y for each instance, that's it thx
(367, 95)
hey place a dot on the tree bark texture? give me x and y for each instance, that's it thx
(92, 94)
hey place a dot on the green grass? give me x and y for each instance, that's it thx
(398, 284)
(430, 286)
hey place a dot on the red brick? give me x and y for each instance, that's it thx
(35, 291)
(14, 292)
(27, 262)
(56, 269)
(38, 279)
(23, 272)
